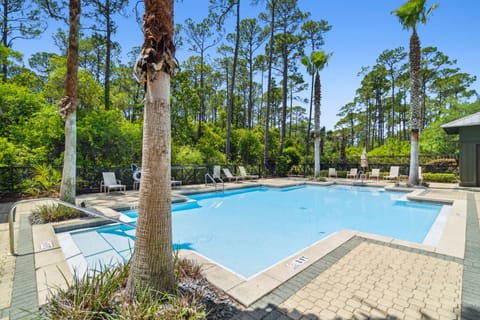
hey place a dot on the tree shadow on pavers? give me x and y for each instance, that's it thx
(273, 312)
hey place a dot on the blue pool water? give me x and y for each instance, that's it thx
(251, 229)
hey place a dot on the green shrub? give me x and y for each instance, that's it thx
(442, 166)
(46, 181)
(440, 177)
(53, 213)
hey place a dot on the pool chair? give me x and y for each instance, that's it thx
(229, 175)
(175, 183)
(110, 182)
(420, 176)
(394, 173)
(375, 174)
(244, 174)
(216, 172)
(332, 172)
(353, 173)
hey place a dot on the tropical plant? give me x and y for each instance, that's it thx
(411, 13)
(45, 182)
(317, 62)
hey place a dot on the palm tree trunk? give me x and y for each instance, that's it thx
(317, 125)
(68, 107)
(415, 117)
(152, 260)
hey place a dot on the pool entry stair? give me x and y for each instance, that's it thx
(89, 212)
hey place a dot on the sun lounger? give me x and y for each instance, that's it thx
(375, 174)
(229, 175)
(244, 174)
(332, 172)
(353, 173)
(110, 182)
(394, 173)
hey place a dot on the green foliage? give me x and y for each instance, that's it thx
(186, 155)
(53, 213)
(46, 181)
(249, 146)
(105, 138)
(391, 148)
(17, 104)
(90, 93)
(8, 153)
(440, 177)
(210, 145)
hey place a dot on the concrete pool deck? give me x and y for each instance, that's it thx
(349, 275)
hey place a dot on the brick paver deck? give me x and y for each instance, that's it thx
(378, 281)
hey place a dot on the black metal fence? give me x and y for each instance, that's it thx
(14, 180)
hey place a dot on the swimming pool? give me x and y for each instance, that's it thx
(249, 230)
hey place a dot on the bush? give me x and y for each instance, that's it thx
(442, 166)
(440, 177)
(46, 181)
(53, 213)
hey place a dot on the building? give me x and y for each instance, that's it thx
(469, 130)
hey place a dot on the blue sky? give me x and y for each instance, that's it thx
(361, 30)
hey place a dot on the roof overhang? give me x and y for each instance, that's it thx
(468, 121)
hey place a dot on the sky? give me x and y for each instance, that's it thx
(361, 30)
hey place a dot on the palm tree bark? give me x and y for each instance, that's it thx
(152, 260)
(415, 117)
(68, 107)
(316, 129)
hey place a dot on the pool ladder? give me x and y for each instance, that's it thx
(209, 177)
(13, 209)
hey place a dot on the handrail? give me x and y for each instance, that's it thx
(87, 211)
(207, 175)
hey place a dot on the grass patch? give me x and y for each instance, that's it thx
(53, 213)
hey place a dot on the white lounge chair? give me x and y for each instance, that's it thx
(244, 174)
(375, 174)
(216, 172)
(353, 173)
(420, 176)
(110, 182)
(332, 172)
(394, 173)
(175, 183)
(229, 175)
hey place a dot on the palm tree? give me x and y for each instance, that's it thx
(410, 13)
(315, 64)
(152, 260)
(68, 107)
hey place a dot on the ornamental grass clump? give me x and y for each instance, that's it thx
(101, 295)
(53, 213)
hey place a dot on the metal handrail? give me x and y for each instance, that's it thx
(87, 211)
(207, 175)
